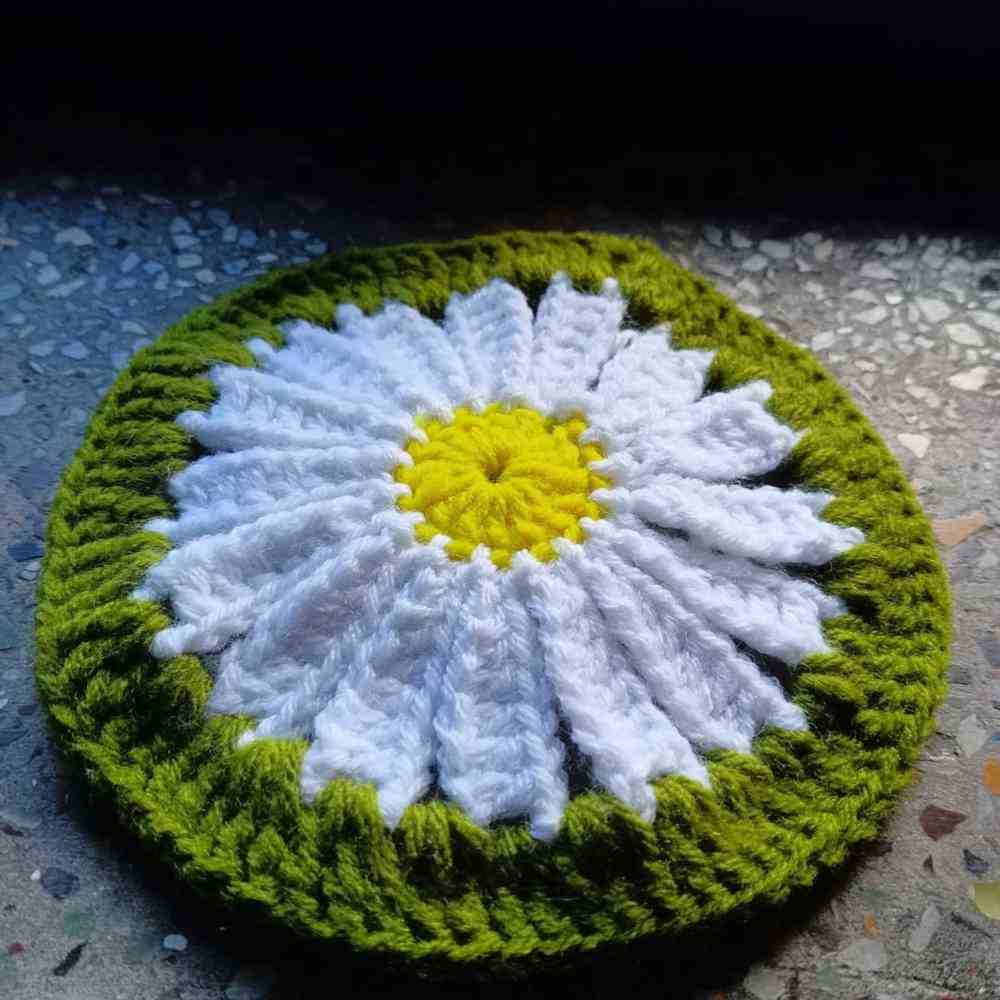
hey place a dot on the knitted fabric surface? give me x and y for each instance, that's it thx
(490, 602)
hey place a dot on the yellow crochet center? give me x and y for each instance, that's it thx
(506, 478)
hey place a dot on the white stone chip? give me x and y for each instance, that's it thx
(75, 236)
(714, 235)
(823, 250)
(934, 310)
(917, 443)
(777, 249)
(755, 262)
(877, 271)
(876, 314)
(970, 736)
(972, 380)
(12, 403)
(865, 955)
(967, 336)
(75, 349)
(765, 983)
(987, 320)
(66, 289)
(921, 936)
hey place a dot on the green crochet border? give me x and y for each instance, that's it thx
(440, 889)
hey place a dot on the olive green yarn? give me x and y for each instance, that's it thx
(440, 889)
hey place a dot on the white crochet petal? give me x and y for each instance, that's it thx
(768, 524)
(228, 514)
(346, 368)
(218, 583)
(286, 667)
(309, 360)
(714, 696)
(628, 740)
(644, 381)
(723, 437)
(574, 335)
(257, 409)
(499, 752)
(263, 475)
(421, 343)
(222, 429)
(492, 331)
(771, 612)
(377, 725)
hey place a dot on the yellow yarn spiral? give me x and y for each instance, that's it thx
(506, 478)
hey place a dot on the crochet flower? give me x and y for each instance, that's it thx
(483, 553)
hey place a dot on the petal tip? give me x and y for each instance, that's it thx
(347, 314)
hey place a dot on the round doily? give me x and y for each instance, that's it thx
(489, 601)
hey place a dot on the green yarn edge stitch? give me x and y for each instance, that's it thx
(440, 889)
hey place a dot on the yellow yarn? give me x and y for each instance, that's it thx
(506, 478)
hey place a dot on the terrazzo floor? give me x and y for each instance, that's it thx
(91, 269)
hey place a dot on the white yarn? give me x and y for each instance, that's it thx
(378, 683)
(492, 332)
(765, 523)
(628, 739)
(496, 724)
(642, 383)
(768, 610)
(694, 673)
(332, 622)
(720, 438)
(574, 335)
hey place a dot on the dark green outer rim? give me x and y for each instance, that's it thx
(439, 890)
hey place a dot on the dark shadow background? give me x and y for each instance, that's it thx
(840, 111)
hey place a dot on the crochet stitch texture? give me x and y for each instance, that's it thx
(322, 559)
(439, 886)
(504, 477)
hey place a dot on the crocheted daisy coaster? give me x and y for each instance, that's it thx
(489, 601)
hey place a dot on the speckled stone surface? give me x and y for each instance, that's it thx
(91, 269)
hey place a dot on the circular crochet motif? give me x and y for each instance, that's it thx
(509, 479)
(490, 601)
(297, 554)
